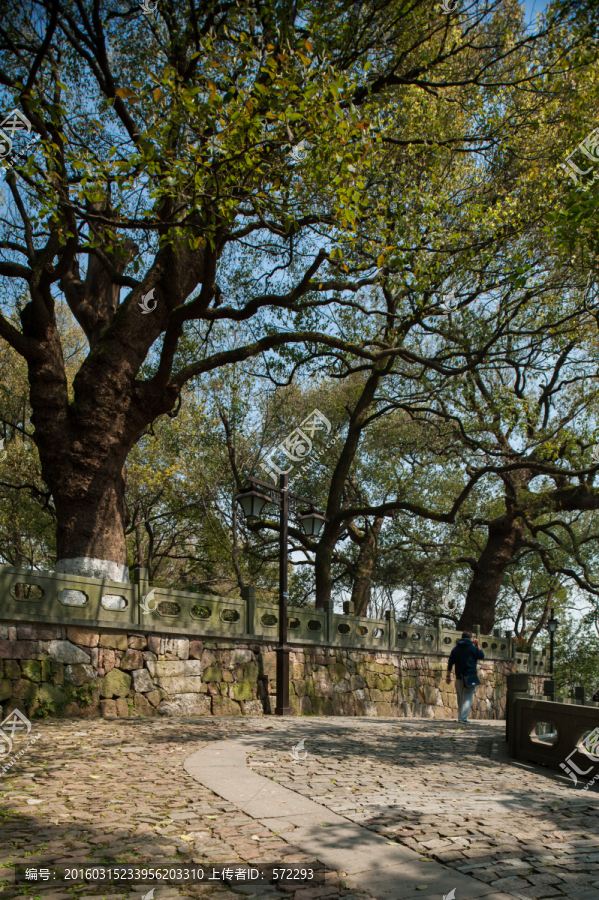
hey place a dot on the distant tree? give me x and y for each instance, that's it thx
(576, 656)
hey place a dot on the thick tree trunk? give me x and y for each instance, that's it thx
(91, 519)
(83, 446)
(91, 510)
(84, 436)
(361, 588)
(504, 539)
(322, 564)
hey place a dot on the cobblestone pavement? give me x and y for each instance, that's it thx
(433, 787)
(108, 791)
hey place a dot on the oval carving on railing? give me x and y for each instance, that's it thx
(493, 646)
(269, 620)
(428, 638)
(201, 612)
(485, 645)
(314, 625)
(293, 623)
(378, 632)
(544, 733)
(72, 598)
(168, 608)
(503, 646)
(343, 628)
(229, 615)
(402, 635)
(416, 636)
(22, 591)
(361, 630)
(518, 661)
(447, 640)
(113, 601)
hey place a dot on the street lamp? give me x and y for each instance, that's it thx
(312, 523)
(252, 503)
(551, 628)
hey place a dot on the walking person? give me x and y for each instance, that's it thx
(464, 656)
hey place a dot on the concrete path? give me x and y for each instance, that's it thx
(385, 870)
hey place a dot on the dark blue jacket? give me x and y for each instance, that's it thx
(464, 656)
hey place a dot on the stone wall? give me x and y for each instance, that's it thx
(60, 670)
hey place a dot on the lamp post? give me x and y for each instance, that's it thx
(252, 502)
(551, 628)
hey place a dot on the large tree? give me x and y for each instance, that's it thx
(164, 172)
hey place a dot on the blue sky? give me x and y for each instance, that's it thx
(532, 7)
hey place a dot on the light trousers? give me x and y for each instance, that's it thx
(465, 698)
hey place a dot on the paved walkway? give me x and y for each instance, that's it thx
(370, 861)
(396, 808)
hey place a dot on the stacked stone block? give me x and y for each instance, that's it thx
(359, 683)
(61, 670)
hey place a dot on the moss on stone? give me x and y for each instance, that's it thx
(12, 669)
(321, 706)
(51, 694)
(338, 672)
(250, 672)
(24, 690)
(310, 687)
(5, 689)
(212, 673)
(31, 669)
(241, 691)
(115, 684)
(223, 706)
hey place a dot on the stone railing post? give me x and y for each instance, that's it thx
(517, 685)
(142, 580)
(248, 594)
(508, 637)
(579, 694)
(390, 617)
(349, 608)
(330, 621)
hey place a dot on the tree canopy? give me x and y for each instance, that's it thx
(237, 211)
